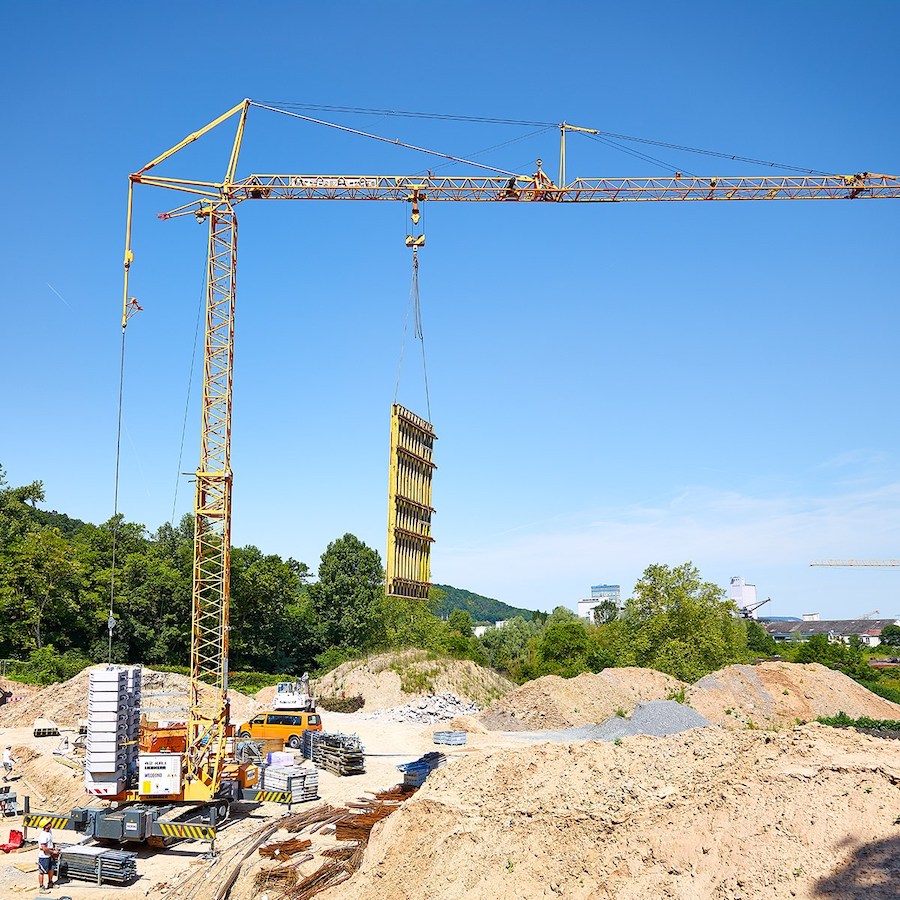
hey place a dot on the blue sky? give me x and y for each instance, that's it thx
(612, 385)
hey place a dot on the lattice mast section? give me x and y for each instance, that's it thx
(212, 512)
(408, 570)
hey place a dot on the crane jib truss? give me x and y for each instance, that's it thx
(215, 201)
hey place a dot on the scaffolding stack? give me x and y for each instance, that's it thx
(415, 773)
(98, 864)
(302, 783)
(340, 754)
(113, 724)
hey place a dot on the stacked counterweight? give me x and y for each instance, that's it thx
(114, 712)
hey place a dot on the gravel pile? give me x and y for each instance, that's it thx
(656, 718)
(433, 708)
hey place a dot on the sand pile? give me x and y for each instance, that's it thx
(554, 702)
(50, 784)
(66, 703)
(802, 813)
(393, 679)
(776, 694)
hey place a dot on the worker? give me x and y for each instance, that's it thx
(7, 761)
(47, 854)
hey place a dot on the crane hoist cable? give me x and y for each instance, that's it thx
(414, 242)
(187, 400)
(131, 307)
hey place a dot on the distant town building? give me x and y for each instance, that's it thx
(867, 630)
(479, 630)
(599, 593)
(743, 594)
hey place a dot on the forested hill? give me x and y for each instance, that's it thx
(480, 608)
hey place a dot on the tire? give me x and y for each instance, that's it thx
(294, 742)
(245, 735)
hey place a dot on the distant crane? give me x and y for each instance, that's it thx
(872, 614)
(869, 563)
(747, 611)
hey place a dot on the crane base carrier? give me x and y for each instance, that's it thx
(155, 797)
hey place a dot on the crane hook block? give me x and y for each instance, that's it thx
(414, 242)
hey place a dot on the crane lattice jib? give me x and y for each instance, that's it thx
(212, 512)
(582, 190)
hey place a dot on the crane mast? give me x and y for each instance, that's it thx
(215, 202)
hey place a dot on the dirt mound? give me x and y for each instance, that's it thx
(66, 703)
(393, 679)
(554, 702)
(803, 813)
(776, 694)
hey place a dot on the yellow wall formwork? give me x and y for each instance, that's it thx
(409, 505)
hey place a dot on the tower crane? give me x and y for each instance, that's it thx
(214, 202)
(867, 563)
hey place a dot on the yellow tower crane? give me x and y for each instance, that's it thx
(215, 201)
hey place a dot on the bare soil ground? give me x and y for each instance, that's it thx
(554, 702)
(805, 813)
(769, 811)
(66, 703)
(393, 679)
(774, 694)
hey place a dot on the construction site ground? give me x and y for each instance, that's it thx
(753, 806)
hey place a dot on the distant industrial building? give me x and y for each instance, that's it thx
(867, 630)
(599, 593)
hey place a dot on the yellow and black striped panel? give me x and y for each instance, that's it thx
(36, 820)
(184, 830)
(269, 796)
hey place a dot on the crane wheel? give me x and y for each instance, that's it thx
(222, 811)
(245, 735)
(294, 742)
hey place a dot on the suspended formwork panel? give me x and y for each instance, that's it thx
(409, 542)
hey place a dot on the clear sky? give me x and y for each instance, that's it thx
(612, 385)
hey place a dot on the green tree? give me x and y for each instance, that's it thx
(348, 598)
(605, 611)
(758, 639)
(506, 647)
(890, 635)
(42, 582)
(678, 624)
(461, 621)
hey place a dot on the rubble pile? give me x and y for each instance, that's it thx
(433, 708)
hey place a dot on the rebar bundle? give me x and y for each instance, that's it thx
(282, 850)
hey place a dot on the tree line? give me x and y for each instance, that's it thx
(57, 578)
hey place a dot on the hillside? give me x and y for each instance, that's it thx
(480, 608)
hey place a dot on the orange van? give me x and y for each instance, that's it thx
(286, 726)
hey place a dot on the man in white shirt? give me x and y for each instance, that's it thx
(7, 761)
(47, 854)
